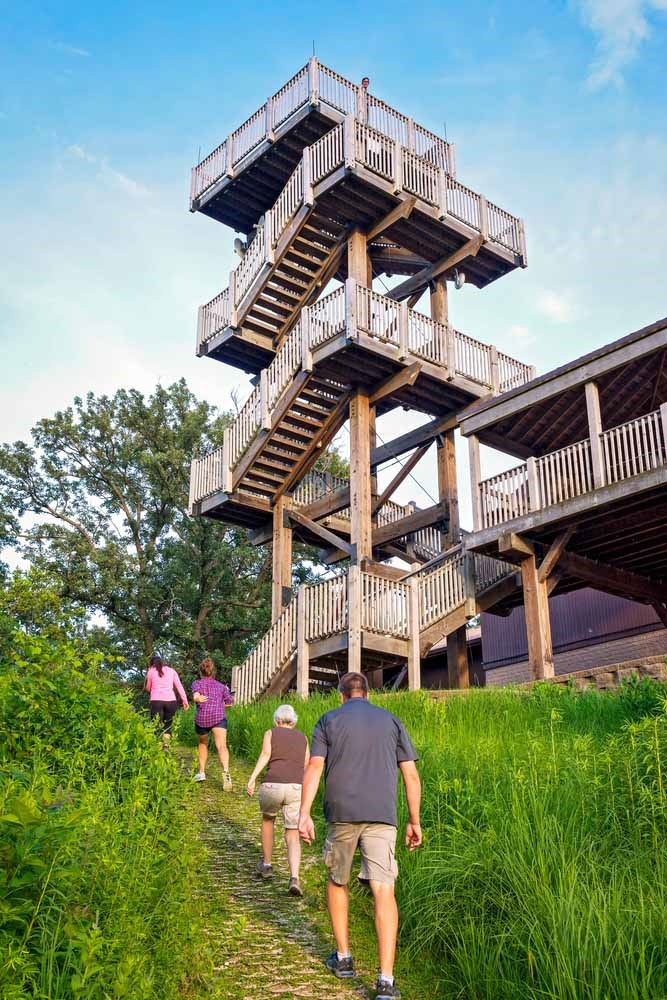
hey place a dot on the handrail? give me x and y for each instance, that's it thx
(385, 320)
(384, 607)
(270, 655)
(315, 83)
(627, 450)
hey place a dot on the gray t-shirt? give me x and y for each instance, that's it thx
(362, 746)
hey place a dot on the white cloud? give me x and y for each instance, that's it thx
(555, 307)
(621, 27)
(70, 50)
(521, 333)
(109, 173)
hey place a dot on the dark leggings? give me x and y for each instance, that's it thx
(165, 711)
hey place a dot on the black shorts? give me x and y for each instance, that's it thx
(165, 712)
(203, 730)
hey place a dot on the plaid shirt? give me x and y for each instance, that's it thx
(212, 711)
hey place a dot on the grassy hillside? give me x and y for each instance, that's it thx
(96, 845)
(545, 863)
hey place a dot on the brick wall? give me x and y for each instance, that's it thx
(601, 654)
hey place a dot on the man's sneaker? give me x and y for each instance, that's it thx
(226, 782)
(199, 776)
(294, 887)
(383, 991)
(263, 870)
(342, 968)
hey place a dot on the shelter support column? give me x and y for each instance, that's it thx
(302, 651)
(538, 623)
(281, 590)
(594, 432)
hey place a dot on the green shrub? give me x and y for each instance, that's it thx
(96, 840)
(544, 869)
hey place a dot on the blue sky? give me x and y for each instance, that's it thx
(557, 110)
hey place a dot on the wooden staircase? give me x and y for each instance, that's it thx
(302, 424)
(308, 262)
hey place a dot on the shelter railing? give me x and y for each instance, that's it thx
(630, 449)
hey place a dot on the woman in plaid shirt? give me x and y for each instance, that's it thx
(211, 698)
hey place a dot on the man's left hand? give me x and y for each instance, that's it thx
(306, 828)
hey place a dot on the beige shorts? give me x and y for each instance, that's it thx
(276, 796)
(377, 847)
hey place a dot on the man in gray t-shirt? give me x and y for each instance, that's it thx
(361, 748)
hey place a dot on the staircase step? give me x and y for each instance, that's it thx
(287, 440)
(321, 412)
(257, 324)
(264, 475)
(267, 301)
(292, 281)
(282, 456)
(313, 264)
(309, 248)
(299, 270)
(289, 297)
(305, 436)
(261, 309)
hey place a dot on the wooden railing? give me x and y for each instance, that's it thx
(326, 608)
(385, 610)
(384, 606)
(635, 447)
(632, 448)
(513, 373)
(410, 172)
(387, 321)
(312, 84)
(270, 655)
(563, 475)
(504, 496)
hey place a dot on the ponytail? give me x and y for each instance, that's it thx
(158, 663)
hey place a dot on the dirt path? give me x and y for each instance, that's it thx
(265, 944)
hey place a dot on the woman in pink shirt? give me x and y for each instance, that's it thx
(162, 684)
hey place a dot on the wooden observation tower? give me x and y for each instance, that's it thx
(332, 188)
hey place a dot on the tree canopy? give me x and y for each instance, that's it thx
(98, 501)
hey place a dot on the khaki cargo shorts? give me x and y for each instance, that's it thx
(377, 846)
(276, 796)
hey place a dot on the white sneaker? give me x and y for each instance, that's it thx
(199, 776)
(227, 783)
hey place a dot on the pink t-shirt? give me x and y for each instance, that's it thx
(162, 688)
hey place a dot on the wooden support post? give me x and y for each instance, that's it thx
(282, 559)
(226, 478)
(372, 443)
(354, 618)
(229, 156)
(306, 165)
(403, 331)
(538, 625)
(594, 432)
(398, 166)
(350, 141)
(265, 415)
(448, 486)
(270, 134)
(414, 657)
(495, 370)
(475, 480)
(313, 81)
(360, 477)
(233, 304)
(411, 134)
(458, 674)
(357, 262)
(236, 676)
(483, 217)
(533, 484)
(663, 421)
(350, 308)
(306, 352)
(439, 301)
(302, 651)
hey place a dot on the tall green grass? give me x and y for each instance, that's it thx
(543, 873)
(97, 849)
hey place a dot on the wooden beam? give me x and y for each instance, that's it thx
(439, 301)
(612, 578)
(402, 211)
(408, 525)
(458, 674)
(448, 484)
(360, 476)
(320, 531)
(556, 550)
(538, 625)
(413, 439)
(513, 546)
(357, 257)
(302, 651)
(423, 277)
(414, 656)
(282, 560)
(381, 569)
(402, 474)
(553, 581)
(594, 432)
(401, 380)
(329, 504)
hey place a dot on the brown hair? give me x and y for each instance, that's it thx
(158, 663)
(352, 683)
(207, 668)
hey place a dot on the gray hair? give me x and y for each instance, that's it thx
(286, 715)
